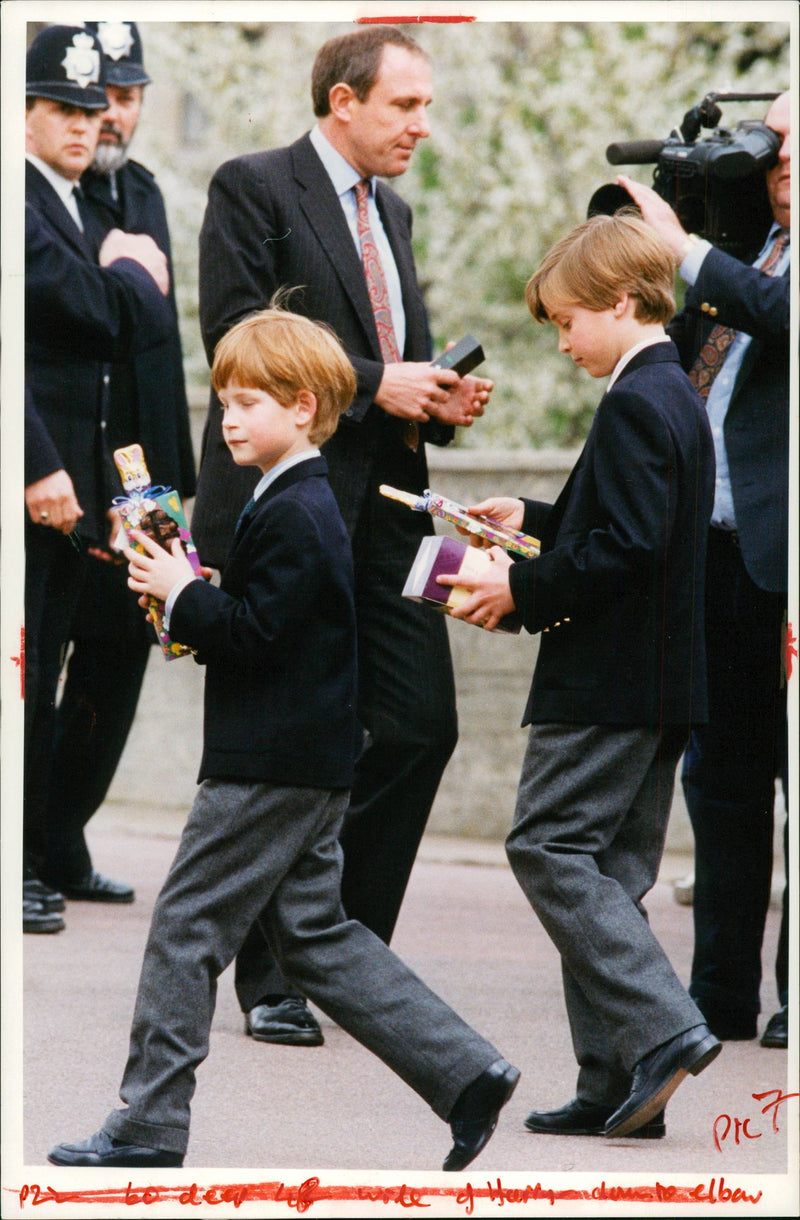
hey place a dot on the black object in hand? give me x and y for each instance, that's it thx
(462, 358)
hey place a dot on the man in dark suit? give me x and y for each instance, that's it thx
(313, 217)
(144, 402)
(78, 315)
(736, 322)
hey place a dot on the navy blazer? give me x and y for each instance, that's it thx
(618, 590)
(78, 316)
(757, 422)
(278, 641)
(274, 220)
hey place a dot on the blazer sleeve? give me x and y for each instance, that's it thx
(742, 297)
(41, 455)
(109, 312)
(619, 535)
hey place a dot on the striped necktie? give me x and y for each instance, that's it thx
(711, 356)
(379, 296)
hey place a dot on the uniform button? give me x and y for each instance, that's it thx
(713, 311)
(705, 307)
(106, 379)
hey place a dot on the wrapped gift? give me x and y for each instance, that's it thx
(493, 532)
(439, 555)
(157, 512)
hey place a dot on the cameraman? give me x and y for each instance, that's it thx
(733, 336)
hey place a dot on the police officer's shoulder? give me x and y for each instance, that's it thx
(137, 170)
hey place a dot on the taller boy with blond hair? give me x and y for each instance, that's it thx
(278, 642)
(617, 593)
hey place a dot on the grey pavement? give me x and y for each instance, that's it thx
(467, 929)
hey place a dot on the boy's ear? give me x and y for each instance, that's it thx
(621, 307)
(305, 405)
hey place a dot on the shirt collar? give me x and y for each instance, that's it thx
(626, 357)
(269, 478)
(339, 169)
(61, 185)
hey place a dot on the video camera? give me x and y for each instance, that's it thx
(715, 185)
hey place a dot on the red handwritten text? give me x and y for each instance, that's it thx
(303, 1196)
(726, 1124)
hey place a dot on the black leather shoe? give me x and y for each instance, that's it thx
(36, 919)
(34, 890)
(579, 1117)
(474, 1116)
(97, 888)
(287, 1023)
(101, 1151)
(776, 1034)
(658, 1074)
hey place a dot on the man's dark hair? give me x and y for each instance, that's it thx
(354, 59)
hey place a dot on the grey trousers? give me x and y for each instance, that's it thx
(586, 844)
(253, 851)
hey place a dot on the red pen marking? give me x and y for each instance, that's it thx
(303, 1196)
(790, 650)
(20, 661)
(409, 20)
(731, 1125)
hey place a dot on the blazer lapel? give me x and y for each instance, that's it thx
(40, 192)
(320, 204)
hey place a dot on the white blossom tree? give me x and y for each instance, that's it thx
(522, 115)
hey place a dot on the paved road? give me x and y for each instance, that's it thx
(466, 928)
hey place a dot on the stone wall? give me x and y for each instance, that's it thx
(476, 798)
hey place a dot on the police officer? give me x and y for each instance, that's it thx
(85, 303)
(145, 402)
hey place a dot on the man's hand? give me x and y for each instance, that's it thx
(491, 597)
(466, 401)
(142, 249)
(158, 571)
(110, 553)
(657, 212)
(52, 501)
(414, 390)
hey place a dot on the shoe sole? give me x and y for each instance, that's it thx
(112, 900)
(45, 928)
(120, 1162)
(657, 1133)
(286, 1039)
(658, 1101)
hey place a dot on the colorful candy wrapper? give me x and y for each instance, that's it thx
(157, 512)
(483, 527)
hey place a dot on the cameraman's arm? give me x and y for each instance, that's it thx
(657, 212)
(739, 295)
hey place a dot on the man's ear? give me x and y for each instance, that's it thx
(305, 406)
(622, 305)
(340, 99)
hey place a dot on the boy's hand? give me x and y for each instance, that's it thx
(504, 509)
(157, 571)
(491, 597)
